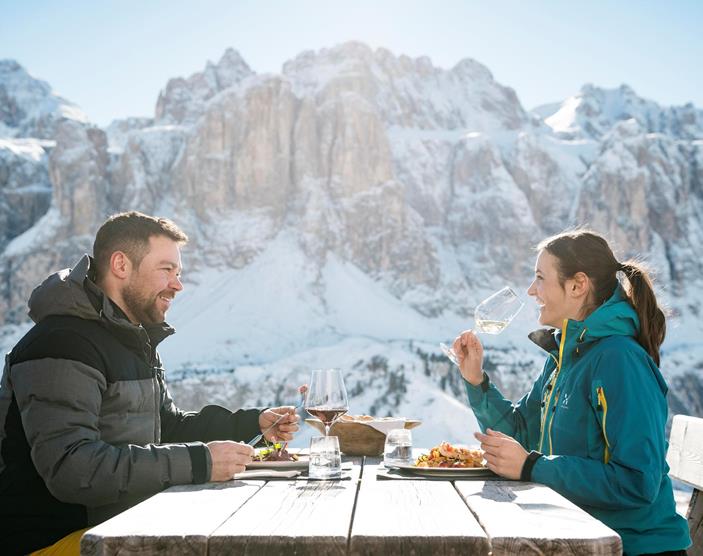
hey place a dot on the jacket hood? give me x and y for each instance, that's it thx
(73, 292)
(64, 293)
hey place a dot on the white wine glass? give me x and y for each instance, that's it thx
(326, 398)
(491, 316)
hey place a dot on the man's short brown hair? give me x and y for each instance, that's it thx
(129, 232)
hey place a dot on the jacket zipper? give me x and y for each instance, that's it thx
(603, 405)
(551, 392)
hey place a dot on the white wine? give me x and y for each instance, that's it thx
(491, 326)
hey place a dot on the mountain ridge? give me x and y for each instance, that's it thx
(365, 197)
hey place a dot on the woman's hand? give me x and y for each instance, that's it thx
(505, 455)
(469, 353)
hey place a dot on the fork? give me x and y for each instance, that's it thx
(254, 441)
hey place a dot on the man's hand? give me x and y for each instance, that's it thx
(285, 428)
(504, 454)
(228, 458)
(469, 353)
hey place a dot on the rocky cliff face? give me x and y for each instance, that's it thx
(357, 193)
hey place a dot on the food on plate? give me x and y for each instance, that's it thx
(275, 452)
(446, 455)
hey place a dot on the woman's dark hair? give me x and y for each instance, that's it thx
(588, 252)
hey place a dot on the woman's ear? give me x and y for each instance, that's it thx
(579, 285)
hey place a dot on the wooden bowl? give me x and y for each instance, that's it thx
(357, 438)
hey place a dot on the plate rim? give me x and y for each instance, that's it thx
(443, 470)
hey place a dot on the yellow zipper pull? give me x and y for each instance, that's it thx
(603, 406)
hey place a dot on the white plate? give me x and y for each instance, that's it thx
(447, 471)
(302, 463)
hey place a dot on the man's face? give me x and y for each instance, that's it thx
(152, 286)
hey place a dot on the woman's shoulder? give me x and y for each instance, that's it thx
(625, 354)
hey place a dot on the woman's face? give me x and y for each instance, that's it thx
(555, 303)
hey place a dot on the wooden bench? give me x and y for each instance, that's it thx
(685, 458)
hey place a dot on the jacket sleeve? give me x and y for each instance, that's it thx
(213, 422)
(520, 420)
(59, 402)
(634, 429)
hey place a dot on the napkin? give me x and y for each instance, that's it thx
(266, 473)
(386, 424)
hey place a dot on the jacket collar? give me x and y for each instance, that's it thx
(74, 292)
(615, 317)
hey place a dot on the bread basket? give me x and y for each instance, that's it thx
(356, 438)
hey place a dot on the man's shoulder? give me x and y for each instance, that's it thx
(85, 341)
(63, 337)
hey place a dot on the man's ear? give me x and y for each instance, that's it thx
(579, 285)
(120, 265)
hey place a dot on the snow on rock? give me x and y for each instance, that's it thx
(28, 107)
(594, 111)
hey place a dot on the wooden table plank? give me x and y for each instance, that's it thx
(529, 518)
(301, 517)
(178, 520)
(395, 517)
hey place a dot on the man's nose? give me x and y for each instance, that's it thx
(176, 284)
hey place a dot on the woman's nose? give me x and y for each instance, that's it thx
(531, 290)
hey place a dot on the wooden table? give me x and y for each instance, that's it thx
(364, 515)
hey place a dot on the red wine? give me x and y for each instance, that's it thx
(327, 414)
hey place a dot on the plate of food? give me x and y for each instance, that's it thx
(447, 460)
(277, 456)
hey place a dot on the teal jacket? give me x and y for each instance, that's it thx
(598, 414)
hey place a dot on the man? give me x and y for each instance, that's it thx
(87, 426)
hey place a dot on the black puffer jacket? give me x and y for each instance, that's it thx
(87, 426)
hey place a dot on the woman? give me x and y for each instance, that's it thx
(594, 420)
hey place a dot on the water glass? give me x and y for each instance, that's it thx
(325, 458)
(398, 449)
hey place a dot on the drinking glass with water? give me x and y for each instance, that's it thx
(398, 449)
(325, 458)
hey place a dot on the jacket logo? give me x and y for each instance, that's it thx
(565, 401)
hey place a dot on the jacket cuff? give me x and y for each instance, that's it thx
(476, 392)
(248, 425)
(200, 462)
(532, 458)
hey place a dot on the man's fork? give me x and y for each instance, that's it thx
(254, 441)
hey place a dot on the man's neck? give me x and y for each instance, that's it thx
(115, 295)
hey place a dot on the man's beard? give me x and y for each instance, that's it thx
(142, 307)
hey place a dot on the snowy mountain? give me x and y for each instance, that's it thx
(28, 107)
(594, 111)
(351, 211)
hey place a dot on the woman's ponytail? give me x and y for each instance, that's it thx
(652, 319)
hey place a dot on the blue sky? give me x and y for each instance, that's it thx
(112, 58)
